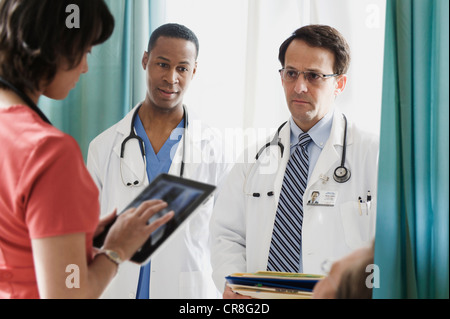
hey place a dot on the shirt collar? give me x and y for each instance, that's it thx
(319, 133)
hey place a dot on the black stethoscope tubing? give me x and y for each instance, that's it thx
(26, 99)
(275, 141)
(133, 135)
(341, 173)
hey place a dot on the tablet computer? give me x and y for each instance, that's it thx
(182, 195)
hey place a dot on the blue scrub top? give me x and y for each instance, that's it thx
(156, 164)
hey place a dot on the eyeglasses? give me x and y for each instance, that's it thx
(314, 78)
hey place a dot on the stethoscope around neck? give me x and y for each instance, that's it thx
(133, 135)
(26, 99)
(341, 173)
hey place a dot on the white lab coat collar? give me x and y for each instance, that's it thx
(123, 128)
(332, 151)
(124, 125)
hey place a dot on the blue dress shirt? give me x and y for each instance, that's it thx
(319, 134)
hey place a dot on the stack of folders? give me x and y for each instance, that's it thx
(273, 285)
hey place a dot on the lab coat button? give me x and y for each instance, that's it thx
(131, 295)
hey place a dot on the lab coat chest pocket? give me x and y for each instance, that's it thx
(259, 226)
(357, 223)
(258, 208)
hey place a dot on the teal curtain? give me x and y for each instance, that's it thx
(115, 81)
(412, 241)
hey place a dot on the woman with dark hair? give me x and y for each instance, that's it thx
(48, 202)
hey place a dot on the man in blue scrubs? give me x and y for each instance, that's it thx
(171, 145)
(158, 162)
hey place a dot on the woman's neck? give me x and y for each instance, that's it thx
(8, 98)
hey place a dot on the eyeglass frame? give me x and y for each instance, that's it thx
(321, 75)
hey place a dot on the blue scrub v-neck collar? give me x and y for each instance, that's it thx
(161, 162)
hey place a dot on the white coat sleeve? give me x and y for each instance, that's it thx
(228, 228)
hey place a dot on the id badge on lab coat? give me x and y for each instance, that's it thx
(322, 198)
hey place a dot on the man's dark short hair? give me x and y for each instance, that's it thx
(35, 40)
(321, 36)
(173, 30)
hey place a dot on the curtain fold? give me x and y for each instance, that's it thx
(412, 241)
(115, 81)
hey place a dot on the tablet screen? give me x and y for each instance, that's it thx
(182, 195)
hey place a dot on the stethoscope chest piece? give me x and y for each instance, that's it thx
(341, 174)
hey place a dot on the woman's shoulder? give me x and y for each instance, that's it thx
(24, 127)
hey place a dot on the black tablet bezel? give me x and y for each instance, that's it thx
(146, 251)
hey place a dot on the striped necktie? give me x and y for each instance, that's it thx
(285, 252)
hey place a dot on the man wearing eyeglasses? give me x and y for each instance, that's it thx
(262, 221)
